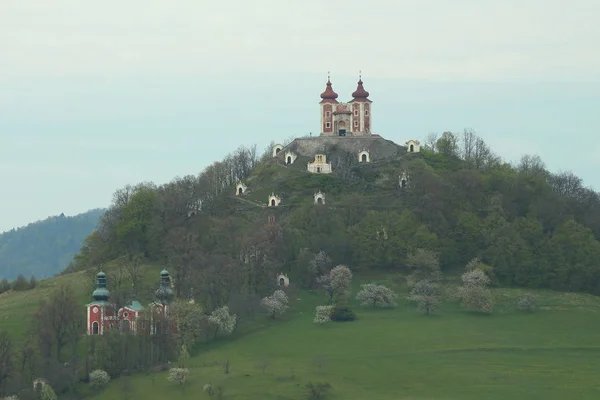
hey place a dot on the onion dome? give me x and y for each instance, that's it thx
(164, 293)
(360, 92)
(101, 293)
(329, 94)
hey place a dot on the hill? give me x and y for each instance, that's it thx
(388, 217)
(44, 248)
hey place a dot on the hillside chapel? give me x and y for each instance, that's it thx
(102, 314)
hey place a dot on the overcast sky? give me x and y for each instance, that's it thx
(94, 96)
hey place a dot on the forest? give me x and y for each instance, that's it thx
(534, 228)
(44, 248)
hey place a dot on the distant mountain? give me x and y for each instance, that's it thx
(45, 248)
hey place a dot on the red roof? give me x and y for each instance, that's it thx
(360, 91)
(329, 94)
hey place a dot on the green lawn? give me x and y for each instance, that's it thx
(400, 354)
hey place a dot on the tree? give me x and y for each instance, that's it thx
(275, 304)
(178, 375)
(48, 393)
(6, 359)
(59, 319)
(528, 302)
(425, 294)
(425, 265)
(376, 295)
(323, 314)
(222, 320)
(474, 292)
(189, 318)
(337, 283)
(184, 356)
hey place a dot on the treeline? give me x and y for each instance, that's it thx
(533, 227)
(44, 248)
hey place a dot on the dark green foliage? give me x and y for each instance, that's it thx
(318, 390)
(44, 248)
(343, 314)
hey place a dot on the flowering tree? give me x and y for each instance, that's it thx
(337, 283)
(425, 294)
(99, 378)
(48, 393)
(376, 296)
(178, 375)
(222, 320)
(528, 302)
(474, 292)
(275, 304)
(323, 314)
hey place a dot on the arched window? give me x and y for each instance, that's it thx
(320, 200)
(95, 328)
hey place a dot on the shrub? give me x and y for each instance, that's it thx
(99, 378)
(337, 283)
(376, 296)
(323, 314)
(222, 320)
(528, 302)
(319, 390)
(342, 314)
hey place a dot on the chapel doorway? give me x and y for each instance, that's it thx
(364, 158)
(273, 202)
(412, 148)
(95, 328)
(240, 190)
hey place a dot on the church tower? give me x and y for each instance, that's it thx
(327, 108)
(100, 312)
(361, 110)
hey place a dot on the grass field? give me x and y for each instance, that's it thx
(401, 354)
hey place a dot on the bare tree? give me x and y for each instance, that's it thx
(134, 267)
(431, 142)
(6, 359)
(468, 145)
(567, 185)
(60, 318)
(531, 165)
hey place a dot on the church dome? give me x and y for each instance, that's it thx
(329, 94)
(101, 293)
(360, 91)
(164, 293)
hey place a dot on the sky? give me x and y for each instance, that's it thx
(95, 96)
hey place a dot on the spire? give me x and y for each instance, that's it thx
(164, 293)
(329, 94)
(360, 92)
(101, 293)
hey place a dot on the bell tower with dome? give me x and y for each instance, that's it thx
(100, 312)
(345, 119)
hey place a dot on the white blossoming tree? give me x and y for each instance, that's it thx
(425, 293)
(276, 304)
(178, 375)
(337, 283)
(222, 320)
(99, 378)
(323, 314)
(474, 292)
(48, 393)
(375, 295)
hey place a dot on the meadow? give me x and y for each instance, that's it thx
(399, 353)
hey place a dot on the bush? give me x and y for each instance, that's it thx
(99, 378)
(342, 314)
(319, 390)
(376, 296)
(323, 314)
(528, 302)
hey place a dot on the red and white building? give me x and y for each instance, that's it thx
(103, 314)
(345, 119)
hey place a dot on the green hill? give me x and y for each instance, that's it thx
(44, 248)
(452, 202)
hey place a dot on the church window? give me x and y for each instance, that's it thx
(125, 314)
(328, 113)
(327, 125)
(366, 113)
(356, 113)
(356, 124)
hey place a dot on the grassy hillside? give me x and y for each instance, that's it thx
(401, 354)
(45, 248)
